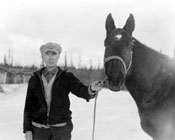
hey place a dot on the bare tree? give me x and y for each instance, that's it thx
(65, 61)
(5, 60)
(1, 89)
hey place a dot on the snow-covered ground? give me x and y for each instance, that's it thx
(116, 117)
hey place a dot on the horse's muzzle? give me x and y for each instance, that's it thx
(115, 83)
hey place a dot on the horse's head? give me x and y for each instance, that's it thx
(118, 52)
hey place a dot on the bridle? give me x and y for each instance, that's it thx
(126, 69)
(121, 60)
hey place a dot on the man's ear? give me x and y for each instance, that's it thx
(42, 56)
(130, 24)
(110, 25)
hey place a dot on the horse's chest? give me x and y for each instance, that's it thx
(158, 123)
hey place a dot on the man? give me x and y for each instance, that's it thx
(47, 114)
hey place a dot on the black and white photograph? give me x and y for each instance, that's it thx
(87, 70)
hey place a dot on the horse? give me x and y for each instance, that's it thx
(148, 75)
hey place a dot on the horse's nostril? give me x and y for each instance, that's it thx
(121, 75)
(117, 78)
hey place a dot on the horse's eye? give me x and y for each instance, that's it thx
(132, 42)
(118, 37)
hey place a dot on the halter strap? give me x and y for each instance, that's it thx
(121, 60)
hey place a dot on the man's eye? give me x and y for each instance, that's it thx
(48, 53)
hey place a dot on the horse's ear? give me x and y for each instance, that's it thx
(110, 25)
(130, 24)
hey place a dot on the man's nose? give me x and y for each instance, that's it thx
(50, 56)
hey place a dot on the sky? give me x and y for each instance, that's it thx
(79, 27)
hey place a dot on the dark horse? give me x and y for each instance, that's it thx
(148, 75)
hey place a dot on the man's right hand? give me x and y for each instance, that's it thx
(28, 135)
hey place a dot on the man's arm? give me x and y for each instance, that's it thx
(81, 90)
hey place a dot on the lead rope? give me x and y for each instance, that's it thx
(94, 116)
(95, 106)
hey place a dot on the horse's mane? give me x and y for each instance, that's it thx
(157, 58)
(161, 84)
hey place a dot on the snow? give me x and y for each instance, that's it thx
(116, 116)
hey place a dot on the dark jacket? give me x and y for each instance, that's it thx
(35, 104)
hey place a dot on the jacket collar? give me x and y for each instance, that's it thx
(40, 71)
(52, 72)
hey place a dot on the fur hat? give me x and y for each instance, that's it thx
(50, 47)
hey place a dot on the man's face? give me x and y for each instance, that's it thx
(50, 58)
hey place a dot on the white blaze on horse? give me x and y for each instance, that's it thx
(148, 75)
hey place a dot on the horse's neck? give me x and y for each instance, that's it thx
(147, 68)
(147, 63)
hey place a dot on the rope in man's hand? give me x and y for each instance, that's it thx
(100, 83)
